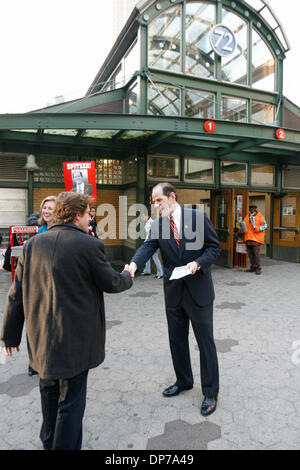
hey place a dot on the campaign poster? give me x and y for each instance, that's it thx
(80, 177)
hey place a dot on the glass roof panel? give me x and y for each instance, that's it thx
(137, 134)
(267, 15)
(264, 10)
(99, 134)
(34, 131)
(71, 132)
(256, 4)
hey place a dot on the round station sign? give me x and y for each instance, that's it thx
(210, 126)
(222, 40)
(280, 134)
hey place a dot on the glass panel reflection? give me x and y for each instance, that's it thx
(100, 134)
(200, 57)
(109, 171)
(233, 173)
(288, 217)
(199, 104)
(161, 166)
(130, 170)
(262, 113)
(263, 64)
(234, 109)
(130, 100)
(235, 66)
(262, 174)
(163, 100)
(165, 40)
(198, 170)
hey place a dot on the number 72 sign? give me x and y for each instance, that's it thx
(222, 40)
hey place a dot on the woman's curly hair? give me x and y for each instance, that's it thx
(68, 205)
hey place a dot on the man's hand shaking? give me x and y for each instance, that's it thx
(132, 267)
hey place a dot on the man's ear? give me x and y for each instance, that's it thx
(76, 218)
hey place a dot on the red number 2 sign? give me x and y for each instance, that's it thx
(280, 134)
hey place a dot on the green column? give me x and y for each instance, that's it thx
(30, 193)
(141, 176)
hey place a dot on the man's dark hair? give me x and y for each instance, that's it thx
(167, 189)
(68, 205)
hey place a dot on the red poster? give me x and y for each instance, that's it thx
(80, 177)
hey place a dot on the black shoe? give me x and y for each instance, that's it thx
(175, 390)
(145, 274)
(31, 372)
(208, 406)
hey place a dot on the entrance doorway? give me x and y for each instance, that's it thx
(229, 207)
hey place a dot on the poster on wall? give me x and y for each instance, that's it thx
(80, 177)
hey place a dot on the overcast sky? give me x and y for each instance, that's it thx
(52, 48)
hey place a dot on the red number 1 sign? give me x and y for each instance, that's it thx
(210, 126)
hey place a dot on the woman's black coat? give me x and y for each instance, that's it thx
(58, 289)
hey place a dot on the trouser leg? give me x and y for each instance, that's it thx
(157, 262)
(251, 255)
(256, 253)
(68, 398)
(202, 323)
(209, 370)
(49, 390)
(178, 327)
(147, 268)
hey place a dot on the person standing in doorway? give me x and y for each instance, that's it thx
(254, 237)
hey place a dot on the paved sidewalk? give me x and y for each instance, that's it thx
(257, 332)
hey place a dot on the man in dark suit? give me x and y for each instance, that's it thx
(186, 237)
(79, 186)
(58, 291)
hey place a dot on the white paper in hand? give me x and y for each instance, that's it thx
(180, 272)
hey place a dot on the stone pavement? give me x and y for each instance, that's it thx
(257, 332)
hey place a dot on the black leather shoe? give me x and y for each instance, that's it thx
(208, 406)
(31, 372)
(174, 390)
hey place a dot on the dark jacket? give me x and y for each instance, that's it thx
(58, 288)
(199, 242)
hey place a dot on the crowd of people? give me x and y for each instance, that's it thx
(60, 279)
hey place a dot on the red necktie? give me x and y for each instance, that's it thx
(174, 230)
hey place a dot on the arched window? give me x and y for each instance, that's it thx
(190, 50)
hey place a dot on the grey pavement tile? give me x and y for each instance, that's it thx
(179, 435)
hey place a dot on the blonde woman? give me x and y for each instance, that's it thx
(46, 209)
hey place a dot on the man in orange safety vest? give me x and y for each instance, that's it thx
(254, 237)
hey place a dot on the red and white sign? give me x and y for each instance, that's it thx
(80, 177)
(25, 229)
(210, 126)
(280, 134)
